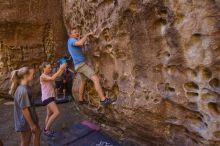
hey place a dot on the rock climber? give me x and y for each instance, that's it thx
(75, 45)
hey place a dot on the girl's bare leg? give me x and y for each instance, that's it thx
(49, 113)
(55, 113)
(25, 138)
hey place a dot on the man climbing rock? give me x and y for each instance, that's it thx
(75, 49)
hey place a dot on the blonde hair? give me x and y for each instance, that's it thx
(16, 77)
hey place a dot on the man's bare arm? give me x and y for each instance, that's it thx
(82, 40)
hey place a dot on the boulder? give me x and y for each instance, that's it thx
(161, 60)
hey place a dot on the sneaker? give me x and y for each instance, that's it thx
(49, 133)
(107, 101)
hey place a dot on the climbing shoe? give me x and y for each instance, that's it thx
(107, 101)
(49, 133)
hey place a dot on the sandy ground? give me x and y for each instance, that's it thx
(69, 115)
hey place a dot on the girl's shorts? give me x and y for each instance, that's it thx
(49, 100)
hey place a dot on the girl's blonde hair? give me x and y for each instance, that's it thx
(16, 77)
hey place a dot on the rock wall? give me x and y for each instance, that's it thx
(31, 31)
(161, 60)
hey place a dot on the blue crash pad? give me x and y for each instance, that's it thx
(95, 139)
(81, 135)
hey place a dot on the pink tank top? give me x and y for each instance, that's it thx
(47, 88)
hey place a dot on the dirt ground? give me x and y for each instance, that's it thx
(69, 115)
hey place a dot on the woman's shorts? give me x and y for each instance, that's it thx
(49, 100)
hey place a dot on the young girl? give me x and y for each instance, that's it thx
(48, 95)
(26, 120)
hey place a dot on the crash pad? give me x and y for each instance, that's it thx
(81, 134)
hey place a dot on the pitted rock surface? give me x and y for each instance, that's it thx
(30, 32)
(160, 59)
